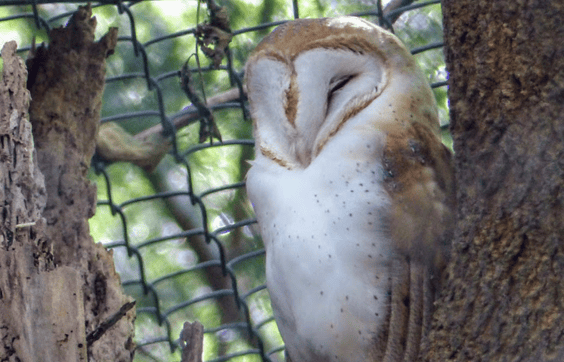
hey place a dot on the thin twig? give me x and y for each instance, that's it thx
(108, 323)
(185, 119)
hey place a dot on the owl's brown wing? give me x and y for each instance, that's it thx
(419, 178)
(411, 303)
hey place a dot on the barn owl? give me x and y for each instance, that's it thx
(352, 189)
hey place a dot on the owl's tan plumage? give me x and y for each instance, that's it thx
(352, 188)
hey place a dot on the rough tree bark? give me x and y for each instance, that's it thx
(60, 297)
(504, 295)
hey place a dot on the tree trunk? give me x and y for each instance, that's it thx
(60, 297)
(503, 299)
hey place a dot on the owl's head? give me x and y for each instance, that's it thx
(311, 77)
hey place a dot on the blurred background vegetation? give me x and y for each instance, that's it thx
(183, 236)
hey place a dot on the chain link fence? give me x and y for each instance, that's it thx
(184, 237)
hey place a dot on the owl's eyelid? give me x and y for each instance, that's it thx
(339, 83)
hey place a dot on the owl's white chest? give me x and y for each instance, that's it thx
(328, 252)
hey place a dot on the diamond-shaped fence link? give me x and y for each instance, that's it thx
(185, 240)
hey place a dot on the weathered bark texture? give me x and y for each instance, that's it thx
(504, 298)
(40, 306)
(60, 297)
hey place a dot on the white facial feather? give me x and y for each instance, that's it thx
(351, 187)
